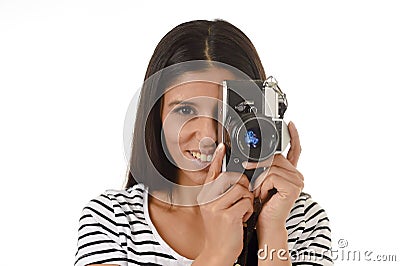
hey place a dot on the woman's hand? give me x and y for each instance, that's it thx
(225, 203)
(286, 179)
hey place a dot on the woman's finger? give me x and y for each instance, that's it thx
(216, 164)
(221, 185)
(296, 179)
(277, 160)
(281, 162)
(254, 165)
(295, 147)
(234, 194)
(283, 187)
(243, 208)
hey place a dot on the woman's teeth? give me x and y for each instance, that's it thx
(202, 157)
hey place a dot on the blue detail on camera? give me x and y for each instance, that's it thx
(251, 138)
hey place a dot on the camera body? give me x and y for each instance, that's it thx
(251, 121)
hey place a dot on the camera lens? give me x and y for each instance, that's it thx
(257, 138)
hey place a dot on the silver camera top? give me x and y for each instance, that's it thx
(275, 98)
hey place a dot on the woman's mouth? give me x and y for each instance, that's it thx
(201, 156)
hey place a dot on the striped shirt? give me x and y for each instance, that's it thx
(115, 228)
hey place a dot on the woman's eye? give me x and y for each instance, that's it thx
(185, 110)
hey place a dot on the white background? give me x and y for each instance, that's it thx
(68, 70)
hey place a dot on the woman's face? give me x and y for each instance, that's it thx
(189, 119)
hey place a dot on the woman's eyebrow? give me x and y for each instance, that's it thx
(176, 102)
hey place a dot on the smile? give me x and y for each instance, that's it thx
(201, 156)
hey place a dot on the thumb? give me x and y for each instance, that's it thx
(216, 163)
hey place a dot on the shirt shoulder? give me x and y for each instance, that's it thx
(305, 215)
(309, 230)
(109, 224)
(115, 205)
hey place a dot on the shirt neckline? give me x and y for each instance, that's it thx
(155, 232)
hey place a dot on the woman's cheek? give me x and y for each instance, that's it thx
(172, 136)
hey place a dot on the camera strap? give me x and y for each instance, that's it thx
(248, 233)
(249, 225)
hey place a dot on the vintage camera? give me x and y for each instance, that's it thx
(251, 121)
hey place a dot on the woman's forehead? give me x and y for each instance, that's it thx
(193, 90)
(213, 75)
(207, 82)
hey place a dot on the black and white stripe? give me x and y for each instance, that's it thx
(309, 234)
(115, 228)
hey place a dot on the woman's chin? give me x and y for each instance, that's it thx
(192, 178)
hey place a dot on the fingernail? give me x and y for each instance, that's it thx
(251, 187)
(217, 150)
(244, 164)
(220, 146)
(212, 174)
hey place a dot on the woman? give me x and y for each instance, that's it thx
(178, 207)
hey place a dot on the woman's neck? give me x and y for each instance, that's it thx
(180, 200)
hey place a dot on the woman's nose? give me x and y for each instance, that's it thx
(206, 127)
